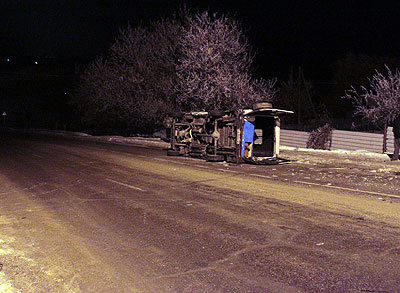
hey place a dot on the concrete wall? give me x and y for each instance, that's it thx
(344, 140)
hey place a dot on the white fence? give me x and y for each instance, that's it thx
(344, 140)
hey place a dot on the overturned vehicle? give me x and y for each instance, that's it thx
(245, 135)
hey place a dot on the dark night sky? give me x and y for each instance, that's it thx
(285, 34)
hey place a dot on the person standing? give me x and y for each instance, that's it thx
(396, 133)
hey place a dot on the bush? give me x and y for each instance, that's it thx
(320, 138)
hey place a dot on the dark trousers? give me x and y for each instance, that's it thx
(396, 148)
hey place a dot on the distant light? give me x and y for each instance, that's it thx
(36, 62)
(65, 93)
(8, 60)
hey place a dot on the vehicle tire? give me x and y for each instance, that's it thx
(215, 158)
(217, 113)
(262, 105)
(173, 153)
(231, 159)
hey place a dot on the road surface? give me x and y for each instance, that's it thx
(84, 216)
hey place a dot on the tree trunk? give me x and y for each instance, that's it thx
(384, 149)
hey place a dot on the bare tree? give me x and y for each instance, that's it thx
(214, 67)
(190, 62)
(92, 98)
(353, 70)
(134, 86)
(296, 94)
(381, 103)
(149, 55)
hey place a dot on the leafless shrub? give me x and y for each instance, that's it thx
(320, 138)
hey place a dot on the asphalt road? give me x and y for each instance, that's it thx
(84, 216)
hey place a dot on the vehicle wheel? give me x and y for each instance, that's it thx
(231, 159)
(217, 113)
(173, 153)
(215, 158)
(262, 105)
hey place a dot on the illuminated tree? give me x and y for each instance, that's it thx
(379, 104)
(214, 67)
(190, 62)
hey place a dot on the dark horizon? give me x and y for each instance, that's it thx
(45, 44)
(284, 35)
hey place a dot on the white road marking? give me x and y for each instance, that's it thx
(262, 176)
(348, 189)
(124, 184)
(181, 163)
(296, 181)
(35, 155)
(229, 171)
